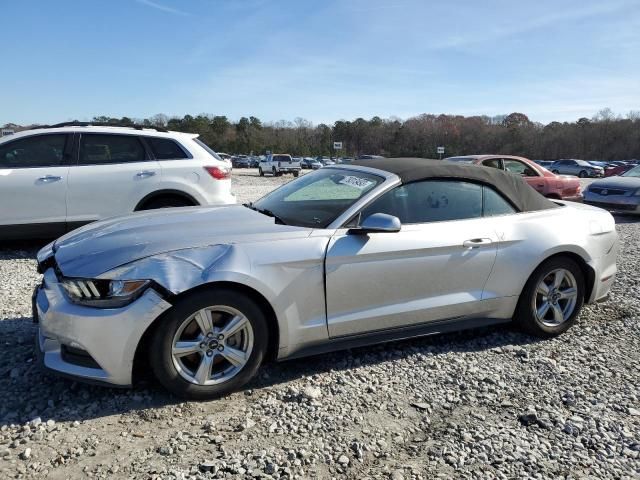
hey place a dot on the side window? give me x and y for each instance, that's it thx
(493, 163)
(35, 151)
(494, 204)
(430, 201)
(165, 149)
(519, 168)
(97, 149)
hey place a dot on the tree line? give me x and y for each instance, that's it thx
(605, 136)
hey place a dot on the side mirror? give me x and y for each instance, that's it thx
(378, 222)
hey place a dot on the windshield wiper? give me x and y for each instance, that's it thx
(266, 212)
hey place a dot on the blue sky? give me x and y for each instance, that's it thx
(320, 60)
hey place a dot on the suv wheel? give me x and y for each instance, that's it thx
(260, 171)
(296, 173)
(551, 299)
(274, 172)
(209, 344)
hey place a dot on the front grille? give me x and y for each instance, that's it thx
(77, 356)
(612, 206)
(607, 191)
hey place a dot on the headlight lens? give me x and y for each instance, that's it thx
(104, 293)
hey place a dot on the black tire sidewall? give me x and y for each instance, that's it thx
(525, 317)
(161, 344)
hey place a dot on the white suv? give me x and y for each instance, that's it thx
(55, 179)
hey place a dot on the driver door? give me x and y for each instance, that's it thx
(435, 268)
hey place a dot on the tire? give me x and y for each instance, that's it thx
(178, 374)
(274, 172)
(550, 325)
(166, 202)
(261, 172)
(555, 172)
(296, 173)
(583, 174)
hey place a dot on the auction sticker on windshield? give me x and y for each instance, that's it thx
(357, 182)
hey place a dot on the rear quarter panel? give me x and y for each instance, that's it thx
(528, 239)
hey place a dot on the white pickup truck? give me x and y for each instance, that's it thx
(279, 163)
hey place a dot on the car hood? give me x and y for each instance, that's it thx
(101, 246)
(618, 182)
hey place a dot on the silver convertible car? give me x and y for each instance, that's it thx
(345, 256)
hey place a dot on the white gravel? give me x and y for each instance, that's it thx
(491, 403)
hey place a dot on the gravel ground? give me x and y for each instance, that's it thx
(490, 403)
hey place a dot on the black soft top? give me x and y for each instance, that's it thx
(512, 186)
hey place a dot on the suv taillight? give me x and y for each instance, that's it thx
(219, 173)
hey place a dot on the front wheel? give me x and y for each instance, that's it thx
(552, 298)
(583, 174)
(261, 172)
(209, 344)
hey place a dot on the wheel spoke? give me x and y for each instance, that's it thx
(204, 320)
(543, 309)
(543, 289)
(558, 278)
(181, 349)
(568, 293)
(236, 324)
(204, 370)
(558, 316)
(236, 357)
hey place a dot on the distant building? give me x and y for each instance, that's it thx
(7, 131)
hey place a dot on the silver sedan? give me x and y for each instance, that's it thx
(342, 257)
(621, 193)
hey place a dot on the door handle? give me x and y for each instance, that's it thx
(145, 174)
(49, 178)
(476, 242)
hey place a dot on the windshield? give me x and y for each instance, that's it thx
(317, 199)
(634, 172)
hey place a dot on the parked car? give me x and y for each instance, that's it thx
(548, 184)
(204, 296)
(346, 160)
(617, 168)
(254, 162)
(620, 193)
(278, 164)
(310, 163)
(581, 168)
(55, 179)
(240, 161)
(368, 157)
(544, 163)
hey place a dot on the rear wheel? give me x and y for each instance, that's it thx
(296, 173)
(552, 298)
(209, 344)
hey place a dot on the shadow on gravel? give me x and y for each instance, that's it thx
(28, 392)
(11, 250)
(626, 218)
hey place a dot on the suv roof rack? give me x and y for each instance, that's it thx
(101, 124)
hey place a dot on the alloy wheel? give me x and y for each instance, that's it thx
(213, 345)
(555, 297)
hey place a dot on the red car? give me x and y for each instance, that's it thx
(616, 168)
(548, 184)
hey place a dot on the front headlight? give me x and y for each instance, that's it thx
(104, 293)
